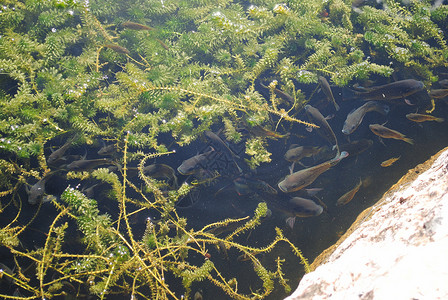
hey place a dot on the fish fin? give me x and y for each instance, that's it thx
(386, 109)
(290, 222)
(409, 141)
(291, 168)
(304, 166)
(293, 146)
(381, 141)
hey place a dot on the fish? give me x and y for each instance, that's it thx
(117, 48)
(87, 164)
(219, 144)
(135, 26)
(422, 118)
(388, 133)
(324, 130)
(195, 163)
(395, 90)
(296, 153)
(161, 171)
(347, 197)
(354, 118)
(438, 93)
(264, 132)
(283, 95)
(305, 177)
(37, 190)
(302, 208)
(444, 83)
(107, 150)
(390, 161)
(245, 185)
(356, 147)
(58, 154)
(327, 91)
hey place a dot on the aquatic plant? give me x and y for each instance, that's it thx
(70, 67)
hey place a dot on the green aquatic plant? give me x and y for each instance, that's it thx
(72, 68)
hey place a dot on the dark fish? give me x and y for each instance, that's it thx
(244, 186)
(37, 190)
(327, 91)
(438, 93)
(195, 163)
(281, 94)
(356, 147)
(296, 153)
(347, 197)
(302, 208)
(117, 48)
(388, 133)
(390, 91)
(161, 171)
(135, 26)
(305, 177)
(58, 154)
(87, 164)
(423, 118)
(107, 150)
(325, 130)
(219, 144)
(444, 83)
(354, 118)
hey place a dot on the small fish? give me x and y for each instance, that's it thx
(296, 153)
(354, 118)
(87, 164)
(107, 150)
(390, 161)
(305, 177)
(58, 154)
(244, 186)
(325, 129)
(388, 133)
(444, 83)
(281, 94)
(327, 91)
(422, 118)
(135, 26)
(438, 93)
(264, 132)
(390, 91)
(357, 147)
(347, 197)
(195, 163)
(161, 171)
(117, 48)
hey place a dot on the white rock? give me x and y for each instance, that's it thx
(401, 252)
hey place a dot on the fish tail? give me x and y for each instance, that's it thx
(440, 120)
(348, 94)
(409, 141)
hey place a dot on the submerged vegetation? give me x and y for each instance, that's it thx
(147, 75)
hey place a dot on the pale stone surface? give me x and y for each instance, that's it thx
(401, 252)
